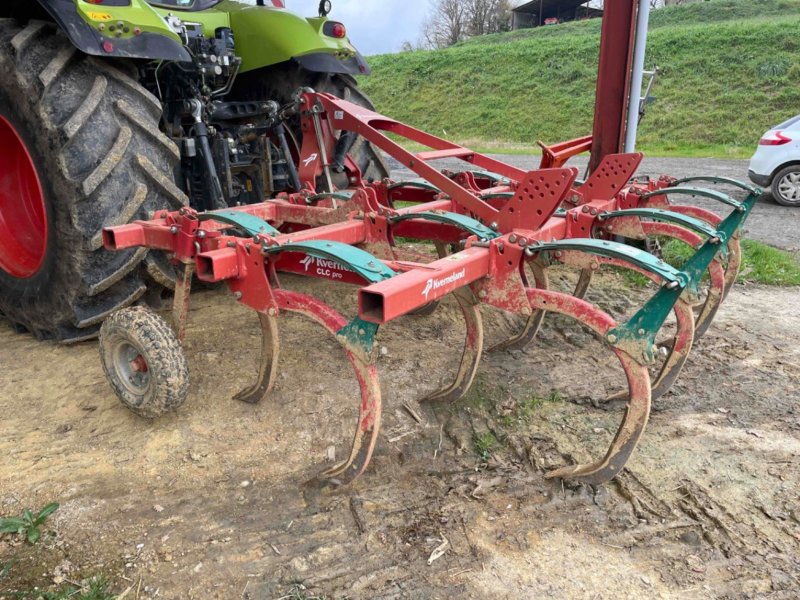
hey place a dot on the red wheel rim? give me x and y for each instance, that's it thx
(23, 217)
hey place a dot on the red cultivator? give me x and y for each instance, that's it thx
(497, 231)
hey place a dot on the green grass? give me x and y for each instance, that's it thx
(299, 592)
(485, 444)
(728, 72)
(760, 263)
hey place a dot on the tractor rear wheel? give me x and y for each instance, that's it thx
(80, 149)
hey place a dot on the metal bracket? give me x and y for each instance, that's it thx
(658, 214)
(468, 224)
(493, 177)
(714, 179)
(246, 222)
(640, 258)
(343, 196)
(359, 335)
(350, 257)
(416, 184)
(691, 191)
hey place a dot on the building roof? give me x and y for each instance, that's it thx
(548, 6)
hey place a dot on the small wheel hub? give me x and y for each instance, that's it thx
(139, 364)
(23, 217)
(131, 367)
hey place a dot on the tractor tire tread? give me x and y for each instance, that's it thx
(95, 131)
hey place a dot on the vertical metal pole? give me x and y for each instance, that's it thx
(639, 51)
(613, 78)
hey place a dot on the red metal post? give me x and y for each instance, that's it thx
(613, 78)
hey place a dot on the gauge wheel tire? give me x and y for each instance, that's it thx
(86, 153)
(786, 186)
(144, 362)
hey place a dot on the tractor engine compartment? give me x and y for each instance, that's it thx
(233, 152)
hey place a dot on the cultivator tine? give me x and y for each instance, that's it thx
(637, 412)
(181, 299)
(369, 408)
(678, 353)
(584, 281)
(473, 347)
(733, 248)
(714, 297)
(716, 290)
(268, 363)
(534, 321)
(734, 264)
(639, 343)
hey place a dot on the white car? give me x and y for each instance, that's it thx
(776, 163)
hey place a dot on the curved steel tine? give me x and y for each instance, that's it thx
(534, 322)
(734, 244)
(369, 422)
(636, 413)
(714, 297)
(268, 367)
(677, 354)
(734, 264)
(473, 348)
(681, 346)
(685, 333)
(369, 410)
(584, 281)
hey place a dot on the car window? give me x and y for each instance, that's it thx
(789, 123)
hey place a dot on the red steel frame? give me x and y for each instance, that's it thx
(518, 208)
(526, 217)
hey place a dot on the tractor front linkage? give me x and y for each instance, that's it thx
(497, 230)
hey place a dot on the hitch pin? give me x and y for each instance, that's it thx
(322, 152)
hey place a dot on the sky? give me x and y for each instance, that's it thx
(374, 26)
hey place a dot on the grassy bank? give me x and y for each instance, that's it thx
(729, 71)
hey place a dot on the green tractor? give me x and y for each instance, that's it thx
(113, 109)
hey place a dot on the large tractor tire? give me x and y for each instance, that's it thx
(80, 149)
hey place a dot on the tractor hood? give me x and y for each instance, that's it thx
(264, 35)
(267, 35)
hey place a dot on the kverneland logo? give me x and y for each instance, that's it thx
(310, 261)
(435, 284)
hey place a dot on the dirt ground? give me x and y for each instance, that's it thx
(210, 502)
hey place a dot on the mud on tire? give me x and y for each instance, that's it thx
(144, 362)
(92, 132)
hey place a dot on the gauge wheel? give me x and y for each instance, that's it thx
(144, 362)
(786, 186)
